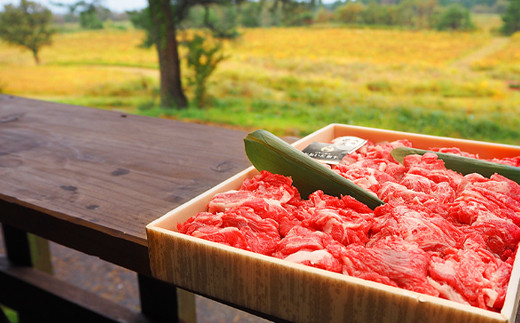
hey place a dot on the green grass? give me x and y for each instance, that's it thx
(299, 119)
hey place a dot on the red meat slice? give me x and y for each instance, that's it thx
(202, 219)
(498, 235)
(442, 192)
(513, 161)
(416, 224)
(222, 201)
(471, 274)
(375, 151)
(266, 193)
(272, 186)
(371, 173)
(429, 166)
(228, 236)
(501, 191)
(311, 248)
(237, 227)
(454, 151)
(285, 214)
(383, 150)
(400, 194)
(345, 219)
(390, 261)
(269, 195)
(491, 209)
(397, 192)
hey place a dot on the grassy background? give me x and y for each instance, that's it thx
(293, 81)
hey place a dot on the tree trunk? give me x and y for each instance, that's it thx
(36, 57)
(163, 24)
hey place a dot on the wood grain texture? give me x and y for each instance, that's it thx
(298, 293)
(95, 178)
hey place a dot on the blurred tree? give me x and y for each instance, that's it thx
(376, 14)
(203, 57)
(455, 17)
(251, 14)
(160, 21)
(416, 13)
(91, 13)
(294, 12)
(500, 6)
(71, 15)
(89, 20)
(221, 20)
(28, 25)
(468, 3)
(164, 17)
(324, 15)
(511, 18)
(350, 12)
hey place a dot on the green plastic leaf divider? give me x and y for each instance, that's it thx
(463, 165)
(268, 152)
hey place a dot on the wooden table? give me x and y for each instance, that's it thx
(91, 180)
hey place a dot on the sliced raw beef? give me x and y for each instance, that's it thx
(397, 192)
(272, 186)
(269, 195)
(497, 235)
(416, 224)
(237, 227)
(454, 151)
(230, 199)
(392, 261)
(345, 219)
(441, 192)
(490, 208)
(309, 247)
(511, 161)
(274, 190)
(429, 166)
(471, 275)
(439, 233)
(375, 151)
(514, 161)
(372, 173)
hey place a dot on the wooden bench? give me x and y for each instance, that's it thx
(91, 180)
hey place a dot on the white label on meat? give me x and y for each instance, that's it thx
(332, 153)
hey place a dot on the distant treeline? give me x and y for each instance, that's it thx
(491, 6)
(416, 14)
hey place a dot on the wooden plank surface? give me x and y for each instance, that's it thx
(95, 178)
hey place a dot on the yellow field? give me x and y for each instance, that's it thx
(317, 66)
(507, 59)
(84, 48)
(345, 46)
